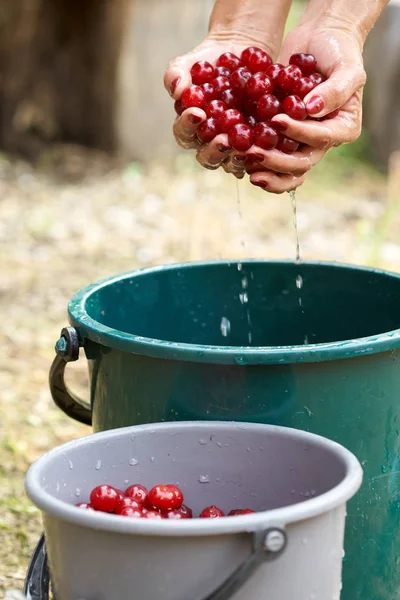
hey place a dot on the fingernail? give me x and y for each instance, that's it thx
(222, 148)
(194, 119)
(240, 157)
(255, 157)
(174, 85)
(260, 184)
(315, 105)
(279, 126)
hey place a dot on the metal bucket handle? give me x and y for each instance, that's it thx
(267, 545)
(67, 350)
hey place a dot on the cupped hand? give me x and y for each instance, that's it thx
(339, 57)
(177, 78)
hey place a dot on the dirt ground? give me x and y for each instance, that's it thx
(80, 216)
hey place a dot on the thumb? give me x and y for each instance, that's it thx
(333, 93)
(176, 79)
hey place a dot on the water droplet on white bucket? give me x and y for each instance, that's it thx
(204, 479)
(293, 492)
(71, 464)
(57, 487)
(217, 479)
(225, 326)
(77, 492)
(98, 465)
(202, 442)
(133, 462)
(126, 481)
(219, 444)
(152, 458)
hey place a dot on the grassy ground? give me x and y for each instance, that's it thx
(80, 216)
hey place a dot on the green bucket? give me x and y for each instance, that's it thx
(223, 341)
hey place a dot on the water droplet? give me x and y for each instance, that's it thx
(304, 541)
(248, 449)
(245, 283)
(217, 479)
(240, 360)
(253, 494)
(244, 298)
(57, 487)
(132, 438)
(98, 465)
(133, 462)
(152, 458)
(384, 469)
(261, 448)
(225, 326)
(77, 492)
(299, 282)
(70, 464)
(202, 442)
(219, 444)
(126, 481)
(204, 479)
(293, 492)
(313, 492)
(239, 266)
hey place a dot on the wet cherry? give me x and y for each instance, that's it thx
(220, 84)
(209, 91)
(229, 61)
(165, 497)
(305, 62)
(193, 96)
(287, 77)
(239, 78)
(241, 137)
(208, 130)
(215, 108)
(295, 108)
(287, 145)
(229, 118)
(105, 498)
(265, 136)
(257, 85)
(303, 86)
(201, 72)
(267, 107)
(137, 492)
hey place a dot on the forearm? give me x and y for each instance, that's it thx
(260, 22)
(358, 16)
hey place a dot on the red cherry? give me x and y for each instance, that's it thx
(303, 86)
(239, 78)
(295, 108)
(84, 505)
(137, 492)
(305, 62)
(288, 76)
(317, 78)
(222, 71)
(209, 91)
(131, 502)
(280, 93)
(245, 56)
(267, 107)
(202, 72)
(259, 61)
(178, 107)
(220, 84)
(165, 497)
(287, 145)
(265, 136)
(331, 115)
(241, 137)
(105, 498)
(252, 121)
(211, 512)
(215, 108)
(257, 85)
(231, 99)
(151, 514)
(186, 511)
(250, 107)
(241, 511)
(193, 96)
(208, 130)
(130, 511)
(273, 71)
(229, 118)
(229, 61)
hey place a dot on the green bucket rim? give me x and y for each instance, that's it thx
(239, 355)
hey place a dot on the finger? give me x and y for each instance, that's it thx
(344, 128)
(185, 127)
(277, 184)
(333, 93)
(235, 164)
(212, 155)
(297, 163)
(176, 79)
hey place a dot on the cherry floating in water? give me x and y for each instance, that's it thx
(211, 512)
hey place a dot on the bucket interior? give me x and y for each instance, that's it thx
(217, 304)
(231, 465)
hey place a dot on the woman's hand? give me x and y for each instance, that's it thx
(339, 56)
(177, 78)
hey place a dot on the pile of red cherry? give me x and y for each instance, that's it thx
(240, 96)
(161, 502)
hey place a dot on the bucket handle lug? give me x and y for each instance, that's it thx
(67, 350)
(267, 545)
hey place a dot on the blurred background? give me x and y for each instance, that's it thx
(91, 183)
